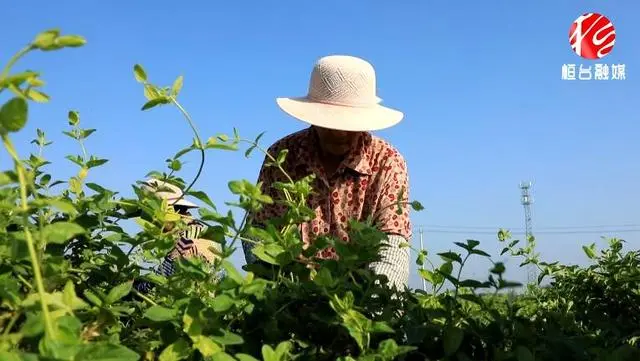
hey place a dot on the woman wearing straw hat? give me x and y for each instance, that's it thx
(189, 243)
(358, 175)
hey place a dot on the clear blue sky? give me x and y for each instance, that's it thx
(479, 84)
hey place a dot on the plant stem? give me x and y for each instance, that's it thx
(287, 195)
(35, 263)
(455, 295)
(135, 292)
(200, 146)
(237, 231)
(14, 59)
(396, 204)
(272, 158)
(11, 323)
(25, 282)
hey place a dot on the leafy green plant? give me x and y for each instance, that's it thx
(68, 269)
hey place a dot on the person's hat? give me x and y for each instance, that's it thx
(167, 191)
(342, 96)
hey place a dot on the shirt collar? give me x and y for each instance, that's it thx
(358, 158)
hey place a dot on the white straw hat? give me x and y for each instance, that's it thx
(342, 96)
(167, 191)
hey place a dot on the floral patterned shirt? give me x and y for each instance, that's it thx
(365, 186)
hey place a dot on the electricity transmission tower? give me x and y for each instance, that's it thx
(527, 200)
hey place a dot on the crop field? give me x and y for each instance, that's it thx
(68, 268)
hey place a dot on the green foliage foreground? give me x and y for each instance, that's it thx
(66, 282)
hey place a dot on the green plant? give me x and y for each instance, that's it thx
(67, 269)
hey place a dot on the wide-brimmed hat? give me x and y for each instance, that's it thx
(342, 95)
(167, 191)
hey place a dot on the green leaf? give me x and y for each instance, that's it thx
(37, 96)
(150, 92)
(13, 115)
(176, 351)
(74, 118)
(257, 140)
(508, 284)
(450, 256)
(417, 206)
(118, 292)
(498, 268)
(471, 298)
(237, 187)
(446, 268)
(160, 314)
(480, 253)
(155, 102)
(206, 346)
(214, 143)
(324, 278)
(8, 177)
(382, 327)
(177, 85)
(35, 82)
(202, 196)
(92, 163)
(139, 73)
(222, 303)
(175, 165)
(46, 39)
(71, 41)
(503, 235)
(472, 284)
(523, 354)
(10, 356)
(472, 243)
(183, 152)
(427, 276)
(85, 133)
(18, 79)
(282, 156)
(232, 272)
(228, 338)
(590, 250)
(453, 337)
(245, 357)
(61, 232)
(222, 356)
(103, 351)
(70, 299)
(268, 253)
(268, 354)
(33, 326)
(92, 297)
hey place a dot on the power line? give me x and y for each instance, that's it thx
(534, 233)
(434, 226)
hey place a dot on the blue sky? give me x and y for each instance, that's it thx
(479, 84)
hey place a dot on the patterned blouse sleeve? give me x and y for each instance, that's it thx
(394, 262)
(395, 183)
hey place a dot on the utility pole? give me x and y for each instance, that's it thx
(424, 282)
(527, 200)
